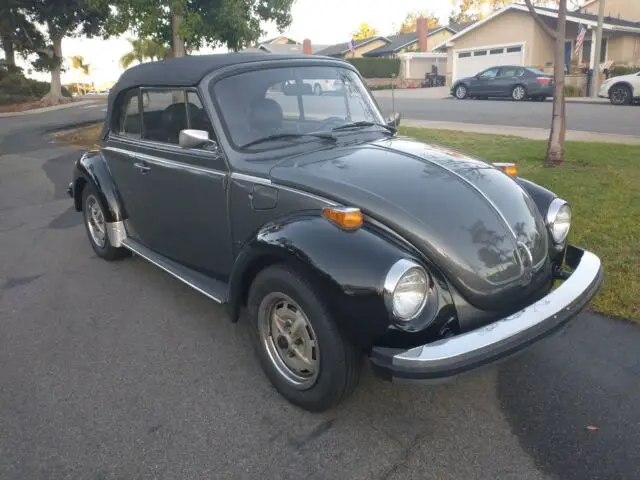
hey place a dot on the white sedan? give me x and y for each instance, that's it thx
(622, 90)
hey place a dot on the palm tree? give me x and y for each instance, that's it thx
(143, 49)
(77, 63)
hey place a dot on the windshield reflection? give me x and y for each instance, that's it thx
(269, 108)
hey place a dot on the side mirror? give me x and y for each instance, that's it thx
(190, 138)
(394, 120)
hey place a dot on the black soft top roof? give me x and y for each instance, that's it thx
(185, 72)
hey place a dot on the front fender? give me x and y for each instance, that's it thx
(92, 167)
(347, 268)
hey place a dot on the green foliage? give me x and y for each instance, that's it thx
(572, 91)
(376, 67)
(409, 24)
(16, 88)
(364, 31)
(620, 70)
(204, 22)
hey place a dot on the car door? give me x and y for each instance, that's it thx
(482, 84)
(184, 188)
(506, 79)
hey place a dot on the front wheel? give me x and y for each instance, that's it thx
(317, 89)
(301, 349)
(461, 92)
(620, 95)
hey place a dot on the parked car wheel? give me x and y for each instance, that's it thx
(303, 353)
(461, 92)
(518, 93)
(96, 226)
(317, 89)
(620, 95)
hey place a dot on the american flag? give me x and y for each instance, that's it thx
(580, 39)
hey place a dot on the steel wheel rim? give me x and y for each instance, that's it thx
(95, 221)
(289, 340)
(619, 95)
(461, 92)
(518, 93)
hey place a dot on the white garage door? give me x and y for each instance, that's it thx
(471, 62)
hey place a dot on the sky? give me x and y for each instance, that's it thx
(322, 21)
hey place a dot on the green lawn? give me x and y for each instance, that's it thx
(602, 183)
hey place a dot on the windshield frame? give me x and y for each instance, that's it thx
(284, 148)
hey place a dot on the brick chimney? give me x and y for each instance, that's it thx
(421, 30)
(306, 46)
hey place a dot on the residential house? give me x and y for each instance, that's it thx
(360, 47)
(408, 42)
(282, 45)
(511, 36)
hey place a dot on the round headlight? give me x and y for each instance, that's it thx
(406, 290)
(559, 220)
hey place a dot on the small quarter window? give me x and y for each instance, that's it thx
(129, 118)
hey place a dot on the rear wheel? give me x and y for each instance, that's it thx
(620, 95)
(461, 92)
(302, 351)
(518, 93)
(96, 226)
(317, 89)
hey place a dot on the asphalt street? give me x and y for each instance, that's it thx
(117, 371)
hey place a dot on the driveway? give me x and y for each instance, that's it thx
(116, 370)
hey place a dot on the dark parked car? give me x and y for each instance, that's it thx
(340, 237)
(519, 83)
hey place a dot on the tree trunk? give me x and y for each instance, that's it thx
(55, 92)
(555, 151)
(177, 42)
(9, 53)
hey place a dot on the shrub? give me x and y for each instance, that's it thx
(620, 70)
(376, 67)
(17, 88)
(386, 86)
(572, 91)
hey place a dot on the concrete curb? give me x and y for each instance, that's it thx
(523, 132)
(567, 100)
(49, 109)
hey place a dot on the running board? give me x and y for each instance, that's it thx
(210, 287)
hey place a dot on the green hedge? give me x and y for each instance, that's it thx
(572, 91)
(16, 88)
(376, 67)
(620, 70)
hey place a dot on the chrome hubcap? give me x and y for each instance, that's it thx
(518, 93)
(95, 221)
(461, 92)
(289, 340)
(619, 95)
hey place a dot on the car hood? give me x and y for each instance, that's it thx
(470, 219)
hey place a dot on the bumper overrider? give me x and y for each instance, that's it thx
(443, 359)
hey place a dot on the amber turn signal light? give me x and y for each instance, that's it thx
(508, 168)
(346, 217)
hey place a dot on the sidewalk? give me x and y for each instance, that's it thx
(52, 108)
(523, 132)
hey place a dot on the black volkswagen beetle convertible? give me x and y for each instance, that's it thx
(338, 237)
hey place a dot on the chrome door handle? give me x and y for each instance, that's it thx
(143, 167)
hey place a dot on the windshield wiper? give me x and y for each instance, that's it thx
(277, 136)
(365, 124)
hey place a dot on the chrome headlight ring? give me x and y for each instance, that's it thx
(559, 220)
(402, 303)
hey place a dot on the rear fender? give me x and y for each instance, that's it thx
(91, 167)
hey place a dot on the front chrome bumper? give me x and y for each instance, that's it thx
(438, 361)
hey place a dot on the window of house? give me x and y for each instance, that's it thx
(514, 49)
(479, 53)
(496, 51)
(464, 55)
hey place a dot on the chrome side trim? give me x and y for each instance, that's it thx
(116, 232)
(171, 272)
(484, 340)
(167, 163)
(250, 178)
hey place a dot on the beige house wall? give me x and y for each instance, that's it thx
(623, 9)
(360, 51)
(437, 38)
(624, 49)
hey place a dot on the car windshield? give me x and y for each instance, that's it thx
(275, 107)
